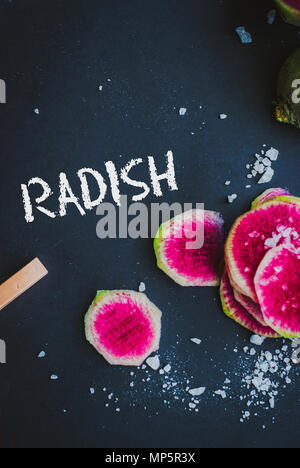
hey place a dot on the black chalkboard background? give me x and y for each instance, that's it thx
(159, 56)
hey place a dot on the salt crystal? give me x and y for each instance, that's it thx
(42, 354)
(54, 377)
(182, 111)
(228, 182)
(257, 340)
(244, 36)
(223, 116)
(92, 391)
(269, 356)
(142, 287)
(266, 162)
(197, 341)
(153, 362)
(231, 198)
(167, 368)
(271, 16)
(221, 393)
(37, 111)
(267, 177)
(197, 391)
(272, 154)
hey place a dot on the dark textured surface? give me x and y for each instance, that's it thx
(159, 55)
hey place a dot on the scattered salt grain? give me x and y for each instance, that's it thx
(142, 287)
(223, 116)
(197, 341)
(37, 111)
(272, 154)
(153, 363)
(228, 182)
(167, 368)
(42, 354)
(271, 16)
(182, 111)
(92, 391)
(267, 177)
(54, 377)
(232, 197)
(197, 391)
(244, 36)
(257, 340)
(100, 88)
(221, 393)
(267, 162)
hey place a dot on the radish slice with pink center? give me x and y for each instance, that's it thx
(123, 326)
(190, 248)
(277, 284)
(253, 234)
(234, 310)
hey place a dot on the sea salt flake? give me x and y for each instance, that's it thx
(223, 116)
(92, 391)
(266, 162)
(221, 393)
(182, 111)
(271, 16)
(257, 340)
(197, 341)
(142, 287)
(272, 154)
(42, 354)
(231, 198)
(153, 363)
(267, 177)
(197, 391)
(54, 377)
(244, 36)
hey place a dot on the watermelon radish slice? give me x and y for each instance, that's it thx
(123, 326)
(187, 266)
(253, 234)
(277, 285)
(234, 310)
(251, 307)
(268, 195)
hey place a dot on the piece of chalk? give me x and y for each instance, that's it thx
(21, 281)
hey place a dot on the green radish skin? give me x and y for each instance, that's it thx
(288, 111)
(290, 15)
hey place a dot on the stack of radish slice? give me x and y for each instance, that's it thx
(260, 288)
